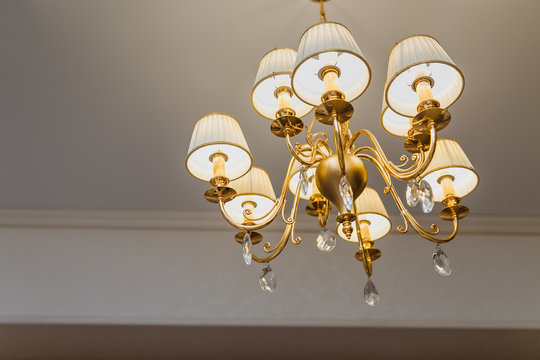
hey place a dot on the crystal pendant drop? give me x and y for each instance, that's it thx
(371, 295)
(412, 193)
(267, 281)
(326, 241)
(441, 262)
(247, 248)
(425, 194)
(304, 183)
(345, 191)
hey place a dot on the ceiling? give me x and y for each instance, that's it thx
(98, 98)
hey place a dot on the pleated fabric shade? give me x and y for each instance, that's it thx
(275, 72)
(371, 208)
(254, 187)
(218, 133)
(415, 56)
(394, 123)
(329, 43)
(450, 159)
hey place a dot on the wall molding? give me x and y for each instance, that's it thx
(496, 225)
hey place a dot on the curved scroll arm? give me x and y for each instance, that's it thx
(259, 223)
(312, 151)
(287, 233)
(420, 160)
(405, 214)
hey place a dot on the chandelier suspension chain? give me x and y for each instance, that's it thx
(323, 14)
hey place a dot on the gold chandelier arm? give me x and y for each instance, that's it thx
(289, 221)
(338, 145)
(309, 151)
(322, 217)
(420, 160)
(287, 233)
(279, 247)
(406, 215)
(267, 218)
(309, 128)
(366, 258)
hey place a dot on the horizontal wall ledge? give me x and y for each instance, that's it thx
(497, 225)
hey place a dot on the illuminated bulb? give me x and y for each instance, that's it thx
(330, 80)
(218, 160)
(447, 184)
(284, 99)
(423, 89)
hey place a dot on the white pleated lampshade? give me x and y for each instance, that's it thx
(275, 72)
(449, 159)
(295, 179)
(371, 208)
(218, 133)
(254, 187)
(415, 56)
(394, 123)
(324, 44)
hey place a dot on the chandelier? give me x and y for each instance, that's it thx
(327, 73)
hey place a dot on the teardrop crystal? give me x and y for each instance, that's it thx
(345, 191)
(371, 295)
(412, 193)
(441, 262)
(304, 183)
(247, 248)
(425, 194)
(326, 241)
(267, 281)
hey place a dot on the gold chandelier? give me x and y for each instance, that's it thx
(327, 73)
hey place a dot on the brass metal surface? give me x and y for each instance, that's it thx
(219, 181)
(428, 104)
(347, 229)
(255, 237)
(441, 118)
(332, 95)
(328, 175)
(446, 176)
(328, 68)
(418, 80)
(281, 89)
(374, 254)
(215, 193)
(417, 140)
(343, 110)
(316, 207)
(346, 217)
(284, 125)
(449, 212)
(285, 112)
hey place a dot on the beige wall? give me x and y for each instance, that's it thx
(129, 267)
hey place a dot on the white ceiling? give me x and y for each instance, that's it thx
(98, 98)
